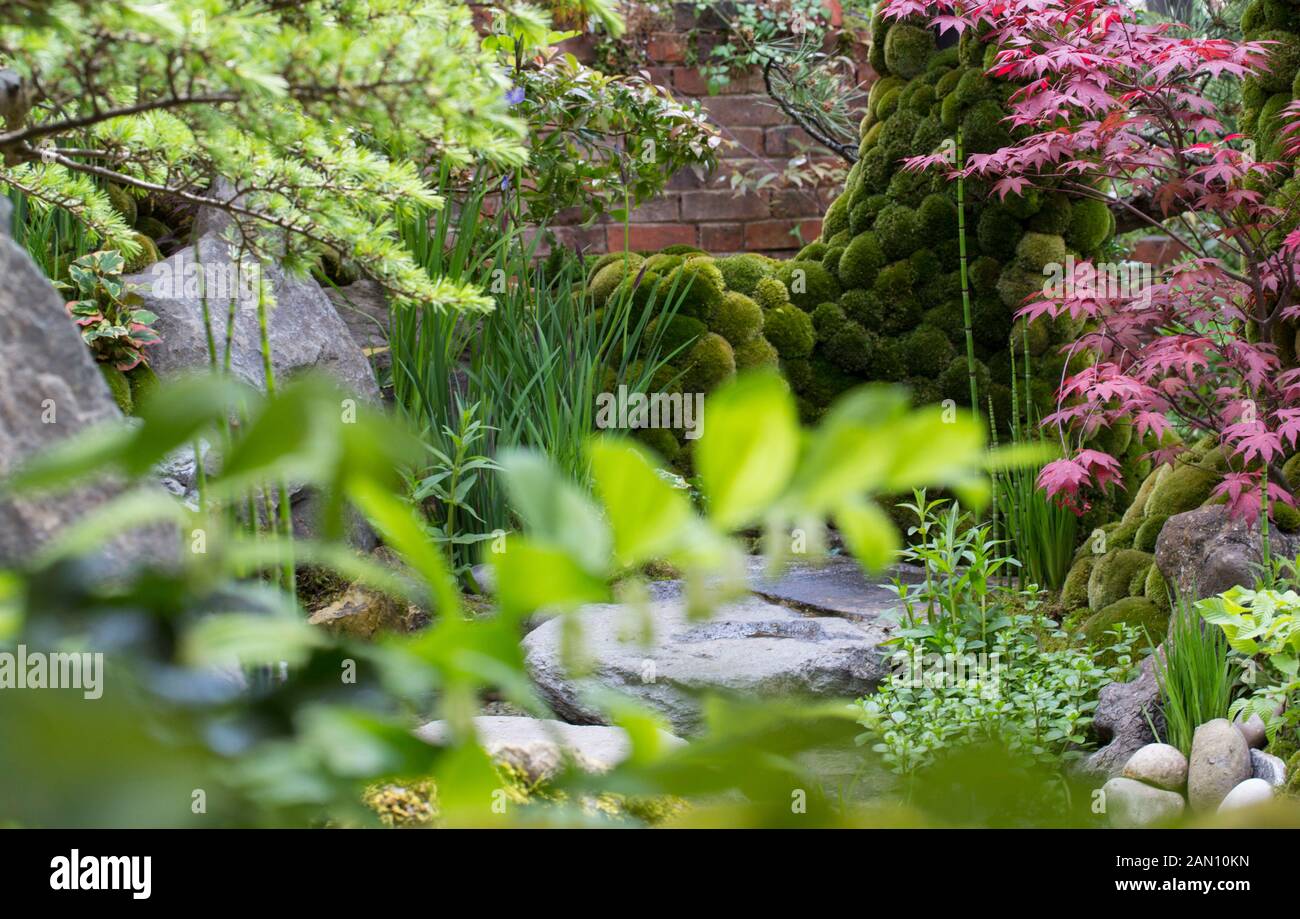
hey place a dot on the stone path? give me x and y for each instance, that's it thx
(811, 632)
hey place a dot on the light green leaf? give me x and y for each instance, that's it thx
(646, 514)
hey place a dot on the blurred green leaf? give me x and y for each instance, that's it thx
(646, 514)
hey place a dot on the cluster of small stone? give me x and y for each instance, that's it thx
(1226, 771)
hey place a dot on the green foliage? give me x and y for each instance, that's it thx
(319, 114)
(106, 311)
(1262, 626)
(1192, 670)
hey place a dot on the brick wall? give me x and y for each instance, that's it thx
(701, 210)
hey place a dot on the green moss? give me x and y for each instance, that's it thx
(144, 383)
(1135, 611)
(742, 272)
(848, 346)
(888, 360)
(836, 219)
(1156, 589)
(878, 90)
(827, 318)
(949, 318)
(863, 307)
(938, 216)
(1185, 488)
(898, 230)
(736, 318)
(1254, 19)
(1035, 251)
(790, 330)
(812, 252)
(1074, 592)
(682, 249)
(1111, 575)
(907, 49)
(948, 82)
(888, 104)
(152, 227)
(893, 286)
(119, 386)
(928, 351)
(991, 322)
(982, 128)
(1285, 517)
(757, 352)
(1268, 130)
(970, 50)
(954, 382)
(998, 233)
(1090, 224)
(983, 274)
(710, 362)
(123, 202)
(861, 261)
(921, 99)
(1054, 217)
(770, 293)
(678, 333)
(607, 276)
(147, 255)
(1148, 532)
(1283, 60)
(950, 113)
(699, 285)
(973, 87)
(661, 441)
(1016, 285)
(808, 283)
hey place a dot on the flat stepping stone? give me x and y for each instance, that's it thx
(837, 586)
(539, 748)
(749, 648)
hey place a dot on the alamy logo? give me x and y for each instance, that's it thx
(58, 670)
(676, 411)
(103, 872)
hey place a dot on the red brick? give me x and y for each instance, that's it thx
(751, 111)
(776, 234)
(690, 82)
(749, 142)
(650, 236)
(687, 179)
(581, 239)
(722, 237)
(661, 209)
(787, 140)
(723, 205)
(666, 48)
(796, 202)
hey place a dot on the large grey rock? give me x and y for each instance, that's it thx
(1204, 552)
(1249, 793)
(538, 748)
(50, 390)
(1158, 764)
(750, 648)
(1131, 804)
(838, 586)
(1121, 720)
(305, 330)
(1268, 767)
(363, 307)
(1220, 761)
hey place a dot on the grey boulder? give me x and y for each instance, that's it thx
(1130, 804)
(50, 390)
(304, 329)
(363, 307)
(1121, 720)
(539, 748)
(1268, 767)
(1204, 552)
(750, 648)
(1159, 764)
(1220, 761)
(1253, 730)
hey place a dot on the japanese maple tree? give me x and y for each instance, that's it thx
(1112, 107)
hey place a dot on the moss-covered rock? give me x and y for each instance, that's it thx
(770, 293)
(1074, 592)
(119, 386)
(907, 49)
(697, 285)
(1156, 589)
(757, 352)
(741, 273)
(1283, 60)
(1149, 531)
(1185, 488)
(710, 362)
(609, 272)
(790, 330)
(736, 318)
(1091, 222)
(808, 284)
(1135, 611)
(1111, 575)
(898, 230)
(861, 261)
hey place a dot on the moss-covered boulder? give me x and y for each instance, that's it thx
(1135, 611)
(1112, 575)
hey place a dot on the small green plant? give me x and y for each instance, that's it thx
(1263, 627)
(447, 487)
(1193, 673)
(111, 323)
(1028, 691)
